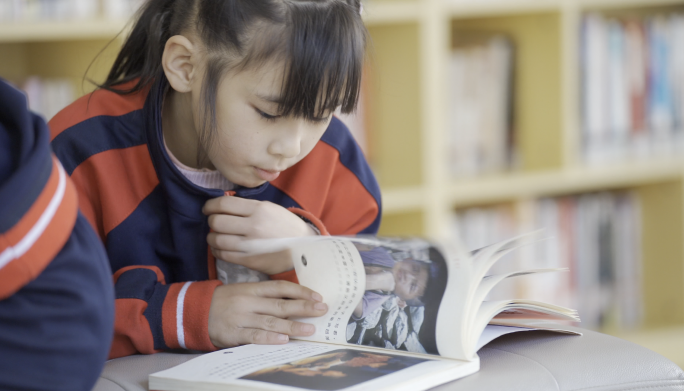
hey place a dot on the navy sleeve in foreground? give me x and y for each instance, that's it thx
(57, 329)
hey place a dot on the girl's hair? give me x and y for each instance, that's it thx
(321, 44)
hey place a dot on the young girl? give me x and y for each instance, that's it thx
(207, 97)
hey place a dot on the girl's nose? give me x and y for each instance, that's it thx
(287, 143)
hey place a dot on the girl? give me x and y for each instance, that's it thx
(207, 97)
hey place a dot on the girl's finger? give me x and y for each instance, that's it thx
(230, 205)
(230, 256)
(261, 337)
(225, 242)
(284, 289)
(284, 308)
(278, 325)
(228, 224)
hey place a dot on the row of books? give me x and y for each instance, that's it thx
(480, 106)
(29, 10)
(632, 87)
(597, 236)
(48, 96)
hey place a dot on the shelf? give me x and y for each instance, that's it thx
(386, 12)
(470, 8)
(498, 188)
(60, 30)
(34, 31)
(400, 200)
(603, 4)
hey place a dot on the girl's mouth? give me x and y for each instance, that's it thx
(267, 175)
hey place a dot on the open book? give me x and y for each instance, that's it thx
(403, 314)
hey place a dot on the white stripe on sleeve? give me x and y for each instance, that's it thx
(179, 314)
(13, 252)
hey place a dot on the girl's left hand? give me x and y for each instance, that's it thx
(235, 220)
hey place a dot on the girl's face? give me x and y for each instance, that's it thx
(253, 144)
(410, 279)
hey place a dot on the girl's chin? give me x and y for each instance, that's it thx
(250, 182)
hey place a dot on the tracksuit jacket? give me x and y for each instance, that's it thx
(56, 292)
(149, 216)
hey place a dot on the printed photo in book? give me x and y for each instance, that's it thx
(335, 370)
(405, 283)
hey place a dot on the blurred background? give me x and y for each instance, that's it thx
(483, 119)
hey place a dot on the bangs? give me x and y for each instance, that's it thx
(322, 47)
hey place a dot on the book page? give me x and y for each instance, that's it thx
(334, 269)
(308, 365)
(460, 320)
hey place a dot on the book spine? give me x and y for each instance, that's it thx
(632, 94)
(480, 103)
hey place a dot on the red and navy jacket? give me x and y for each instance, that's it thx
(149, 215)
(56, 293)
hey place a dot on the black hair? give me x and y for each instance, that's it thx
(433, 296)
(321, 43)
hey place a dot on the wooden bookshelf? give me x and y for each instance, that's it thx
(419, 196)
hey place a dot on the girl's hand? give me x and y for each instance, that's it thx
(235, 220)
(258, 312)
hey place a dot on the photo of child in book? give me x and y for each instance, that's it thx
(400, 282)
(333, 370)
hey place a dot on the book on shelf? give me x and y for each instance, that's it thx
(55, 10)
(34, 10)
(632, 87)
(597, 236)
(480, 122)
(47, 97)
(121, 9)
(403, 314)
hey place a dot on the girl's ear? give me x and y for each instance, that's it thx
(180, 63)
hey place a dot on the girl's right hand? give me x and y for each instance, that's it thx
(258, 313)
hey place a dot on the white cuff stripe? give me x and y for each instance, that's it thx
(13, 252)
(179, 315)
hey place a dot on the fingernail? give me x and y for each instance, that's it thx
(317, 296)
(308, 328)
(320, 306)
(283, 338)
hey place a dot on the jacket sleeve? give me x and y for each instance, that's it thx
(56, 296)
(152, 316)
(60, 324)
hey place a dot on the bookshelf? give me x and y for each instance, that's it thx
(407, 122)
(420, 196)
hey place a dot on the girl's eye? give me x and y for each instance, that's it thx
(320, 120)
(266, 116)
